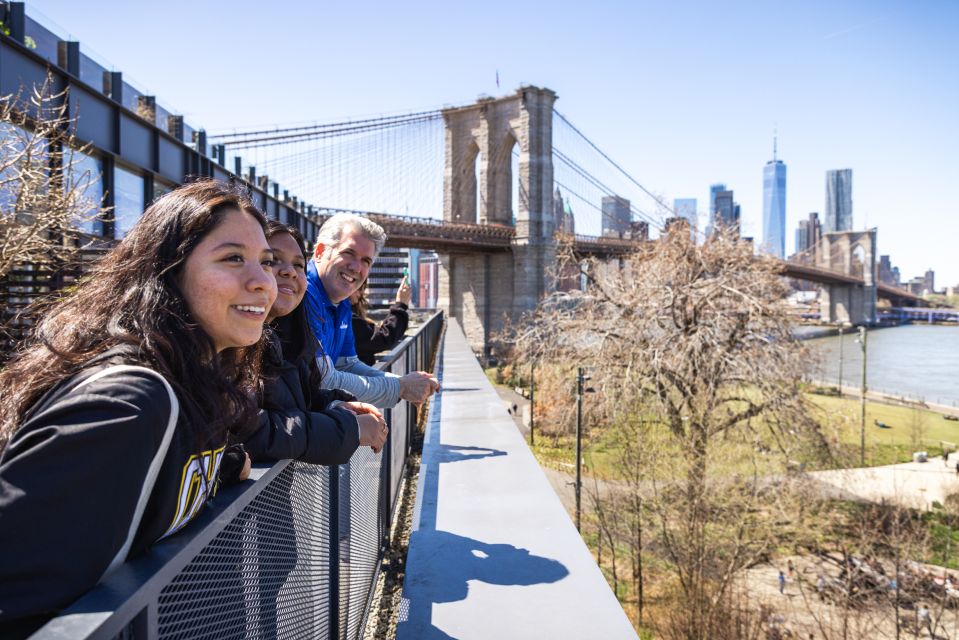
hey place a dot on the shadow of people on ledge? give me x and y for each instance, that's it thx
(464, 559)
(456, 453)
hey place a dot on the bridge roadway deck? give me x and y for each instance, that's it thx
(493, 554)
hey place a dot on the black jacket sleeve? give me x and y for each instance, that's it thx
(317, 437)
(70, 480)
(321, 398)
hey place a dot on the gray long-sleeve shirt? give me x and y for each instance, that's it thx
(376, 387)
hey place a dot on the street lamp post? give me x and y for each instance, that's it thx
(532, 409)
(581, 378)
(842, 329)
(862, 420)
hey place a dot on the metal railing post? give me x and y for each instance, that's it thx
(334, 541)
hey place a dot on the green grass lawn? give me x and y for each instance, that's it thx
(838, 415)
(889, 445)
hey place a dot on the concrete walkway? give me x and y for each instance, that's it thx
(915, 485)
(493, 554)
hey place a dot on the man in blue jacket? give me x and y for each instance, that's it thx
(346, 247)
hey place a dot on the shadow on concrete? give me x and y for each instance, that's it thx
(455, 453)
(463, 560)
(444, 563)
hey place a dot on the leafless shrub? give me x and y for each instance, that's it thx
(42, 184)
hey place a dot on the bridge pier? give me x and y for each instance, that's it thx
(481, 290)
(848, 303)
(852, 253)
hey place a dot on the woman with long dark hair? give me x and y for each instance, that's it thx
(296, 420)
(114, 417)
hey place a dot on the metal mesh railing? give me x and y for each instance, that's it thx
(294, 554)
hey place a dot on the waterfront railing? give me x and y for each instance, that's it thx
(293, 552)
(851, 385)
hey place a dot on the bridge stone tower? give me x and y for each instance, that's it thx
(852, 253)
(481, 289)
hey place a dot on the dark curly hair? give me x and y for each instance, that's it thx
(132, 298)
(298, 340)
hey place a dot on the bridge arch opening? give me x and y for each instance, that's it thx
(477, 164)
(857, 261)
(503, 177)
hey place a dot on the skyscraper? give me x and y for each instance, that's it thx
(774, 206)
(714, 189)
(616, 216)
(726, 212)
(808, 234)
(686, 208)
(838, 200)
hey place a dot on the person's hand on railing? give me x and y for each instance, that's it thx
(247, 467)
(418, 386)
(358, 408)
(373, 431)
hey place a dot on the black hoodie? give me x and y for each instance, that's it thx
(71, 480)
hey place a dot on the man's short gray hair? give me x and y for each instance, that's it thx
(332, 231)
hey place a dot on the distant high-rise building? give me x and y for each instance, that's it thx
(808, 234)
(726, 212)
(562, 214)
(838, 200)
(427, 280)
(774, 206)
(686, 208)
(714, 190)
(616, 216)
(929, 278)
(385, 276)
(888, 273)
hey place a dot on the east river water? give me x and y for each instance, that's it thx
(914, 361)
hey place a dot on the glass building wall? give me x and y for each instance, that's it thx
(128, 202)
(774, 208)
(838, 200)
(86, 173)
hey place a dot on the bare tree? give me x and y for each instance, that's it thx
(43, 186)
(691, 354)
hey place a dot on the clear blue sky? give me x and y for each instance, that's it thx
(683, 94)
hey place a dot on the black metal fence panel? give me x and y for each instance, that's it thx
(266, 575)
(293, 555)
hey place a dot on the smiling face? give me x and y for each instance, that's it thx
(227, 281)
(343, 268)
(289, 269)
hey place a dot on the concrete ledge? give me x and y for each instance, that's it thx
(493, 553)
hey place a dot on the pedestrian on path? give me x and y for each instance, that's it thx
(782, 582)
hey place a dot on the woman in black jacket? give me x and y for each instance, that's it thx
(296, 419)
(372, 338)
(115, 416)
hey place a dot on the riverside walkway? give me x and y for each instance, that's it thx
(493, 553)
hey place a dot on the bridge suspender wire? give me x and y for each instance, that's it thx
(329, 125)
(613, 162)
(654, 222)
(267, 141)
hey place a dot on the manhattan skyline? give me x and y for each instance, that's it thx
(868, 86)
